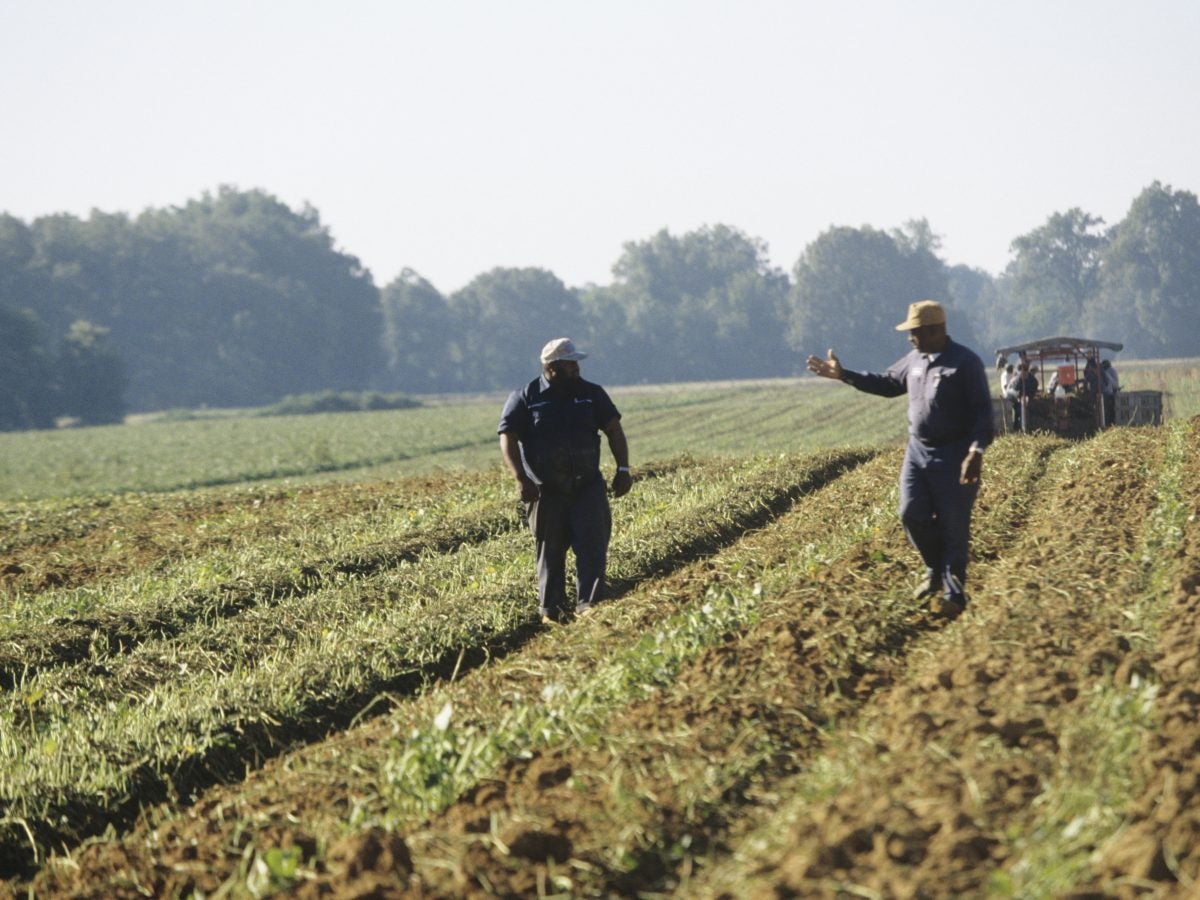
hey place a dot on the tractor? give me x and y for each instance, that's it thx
(1075, 395)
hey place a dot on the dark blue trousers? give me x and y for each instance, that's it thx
(582, 522)
(936, 511)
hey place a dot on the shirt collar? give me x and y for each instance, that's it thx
(931, 358)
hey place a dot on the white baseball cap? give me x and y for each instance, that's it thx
(561, 349)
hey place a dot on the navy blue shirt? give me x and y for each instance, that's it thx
(948, 398)
(559, 431)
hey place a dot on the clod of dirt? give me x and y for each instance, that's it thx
(539, 846)
(373, 852)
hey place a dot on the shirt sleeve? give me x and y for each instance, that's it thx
(979, 398)
(606, 410)
(892, 383)
(514, 419)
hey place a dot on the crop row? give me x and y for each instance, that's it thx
(125, 532)
(653, 798)
(167, 456)
(84, 742)
(998, 758)
(551, 697)
(653, 794)
(817, 735)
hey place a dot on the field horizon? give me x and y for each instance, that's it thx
(456, 433)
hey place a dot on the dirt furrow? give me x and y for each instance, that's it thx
(670, 781)
(795, 664)
(259, 737)
(313, 791)
(946, 771)
(1158, 852)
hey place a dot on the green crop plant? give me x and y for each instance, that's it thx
(298, 661)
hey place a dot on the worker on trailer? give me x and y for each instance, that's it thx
(549, 438)
(949, 426)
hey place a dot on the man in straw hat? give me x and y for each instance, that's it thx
(549, 437)
(949, 426)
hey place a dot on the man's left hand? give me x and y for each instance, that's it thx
(621, 484)
(972, 467)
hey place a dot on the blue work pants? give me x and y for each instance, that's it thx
(936, 511)
(580, 520)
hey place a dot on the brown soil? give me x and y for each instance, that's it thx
(849, 743)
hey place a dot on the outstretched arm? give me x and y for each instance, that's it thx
(890, 384)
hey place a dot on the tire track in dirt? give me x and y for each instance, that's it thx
(977, 720)
(257, 739)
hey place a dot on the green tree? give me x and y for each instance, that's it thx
(28, 398)
(277, 308)
(701, 306)
(91, 377)
(18, 287)
(1053, 275)
(852, 285)
(231, 299)
(501, 320)
(976, 295)
(1149, 297)
(420, 339)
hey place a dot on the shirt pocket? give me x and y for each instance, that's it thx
(942, 387)
(542, 417)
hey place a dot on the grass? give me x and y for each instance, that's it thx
(1083, 803)
(223, 624)
(1178, 379)
(172, 455)
(458, 434)
(126, 721)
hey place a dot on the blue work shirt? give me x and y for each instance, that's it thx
(559, 431)
(948, 397)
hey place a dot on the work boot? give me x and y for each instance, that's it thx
(953, 601)
(949, 608)
(930, 587)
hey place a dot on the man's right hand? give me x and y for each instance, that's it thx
(529, 490)
(826, 368)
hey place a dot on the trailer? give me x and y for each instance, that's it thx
(1072, 399)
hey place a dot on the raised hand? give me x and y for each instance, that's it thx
(826, 368)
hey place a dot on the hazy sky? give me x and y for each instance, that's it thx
(453, 136)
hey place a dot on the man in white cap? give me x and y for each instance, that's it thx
(949, 426)
(550, 440)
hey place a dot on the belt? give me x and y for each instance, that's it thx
(937, 445)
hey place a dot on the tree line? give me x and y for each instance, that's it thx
(235, 299)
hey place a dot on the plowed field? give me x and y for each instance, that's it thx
(343, 691)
